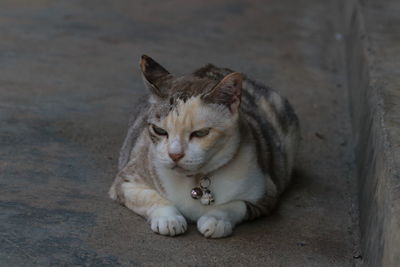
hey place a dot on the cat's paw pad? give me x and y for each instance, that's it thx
(213, 227)
(169, 225)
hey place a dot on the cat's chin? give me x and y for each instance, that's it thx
(181, 169)
(187, 172)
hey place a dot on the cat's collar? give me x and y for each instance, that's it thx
(202, 192)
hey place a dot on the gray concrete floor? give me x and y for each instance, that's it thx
(68, 79)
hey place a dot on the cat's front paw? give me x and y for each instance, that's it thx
(169, 225)
(214, 227)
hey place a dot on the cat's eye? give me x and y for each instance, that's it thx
(200, 133)
(159, 130)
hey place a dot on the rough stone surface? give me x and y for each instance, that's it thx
(373, 53)
(68, 79)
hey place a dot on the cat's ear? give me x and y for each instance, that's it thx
(227, 92)
(155, 77)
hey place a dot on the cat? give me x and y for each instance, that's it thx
(216, 132)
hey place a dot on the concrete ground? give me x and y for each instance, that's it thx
(68, 79)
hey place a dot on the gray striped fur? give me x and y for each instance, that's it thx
(265, 117)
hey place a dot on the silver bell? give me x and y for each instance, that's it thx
(196, 193)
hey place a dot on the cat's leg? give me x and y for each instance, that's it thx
(163, 217)
(260, 208)
(221, 220)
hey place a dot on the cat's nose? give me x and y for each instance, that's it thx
(176, 156)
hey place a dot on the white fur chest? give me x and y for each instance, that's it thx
(240, 179)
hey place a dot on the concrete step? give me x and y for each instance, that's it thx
(372, 32)
(68, 77)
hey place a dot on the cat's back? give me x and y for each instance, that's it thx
(275, 126)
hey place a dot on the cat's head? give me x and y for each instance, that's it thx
(192, 121)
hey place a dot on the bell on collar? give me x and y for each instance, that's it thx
(196, 193)
(206, 198)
